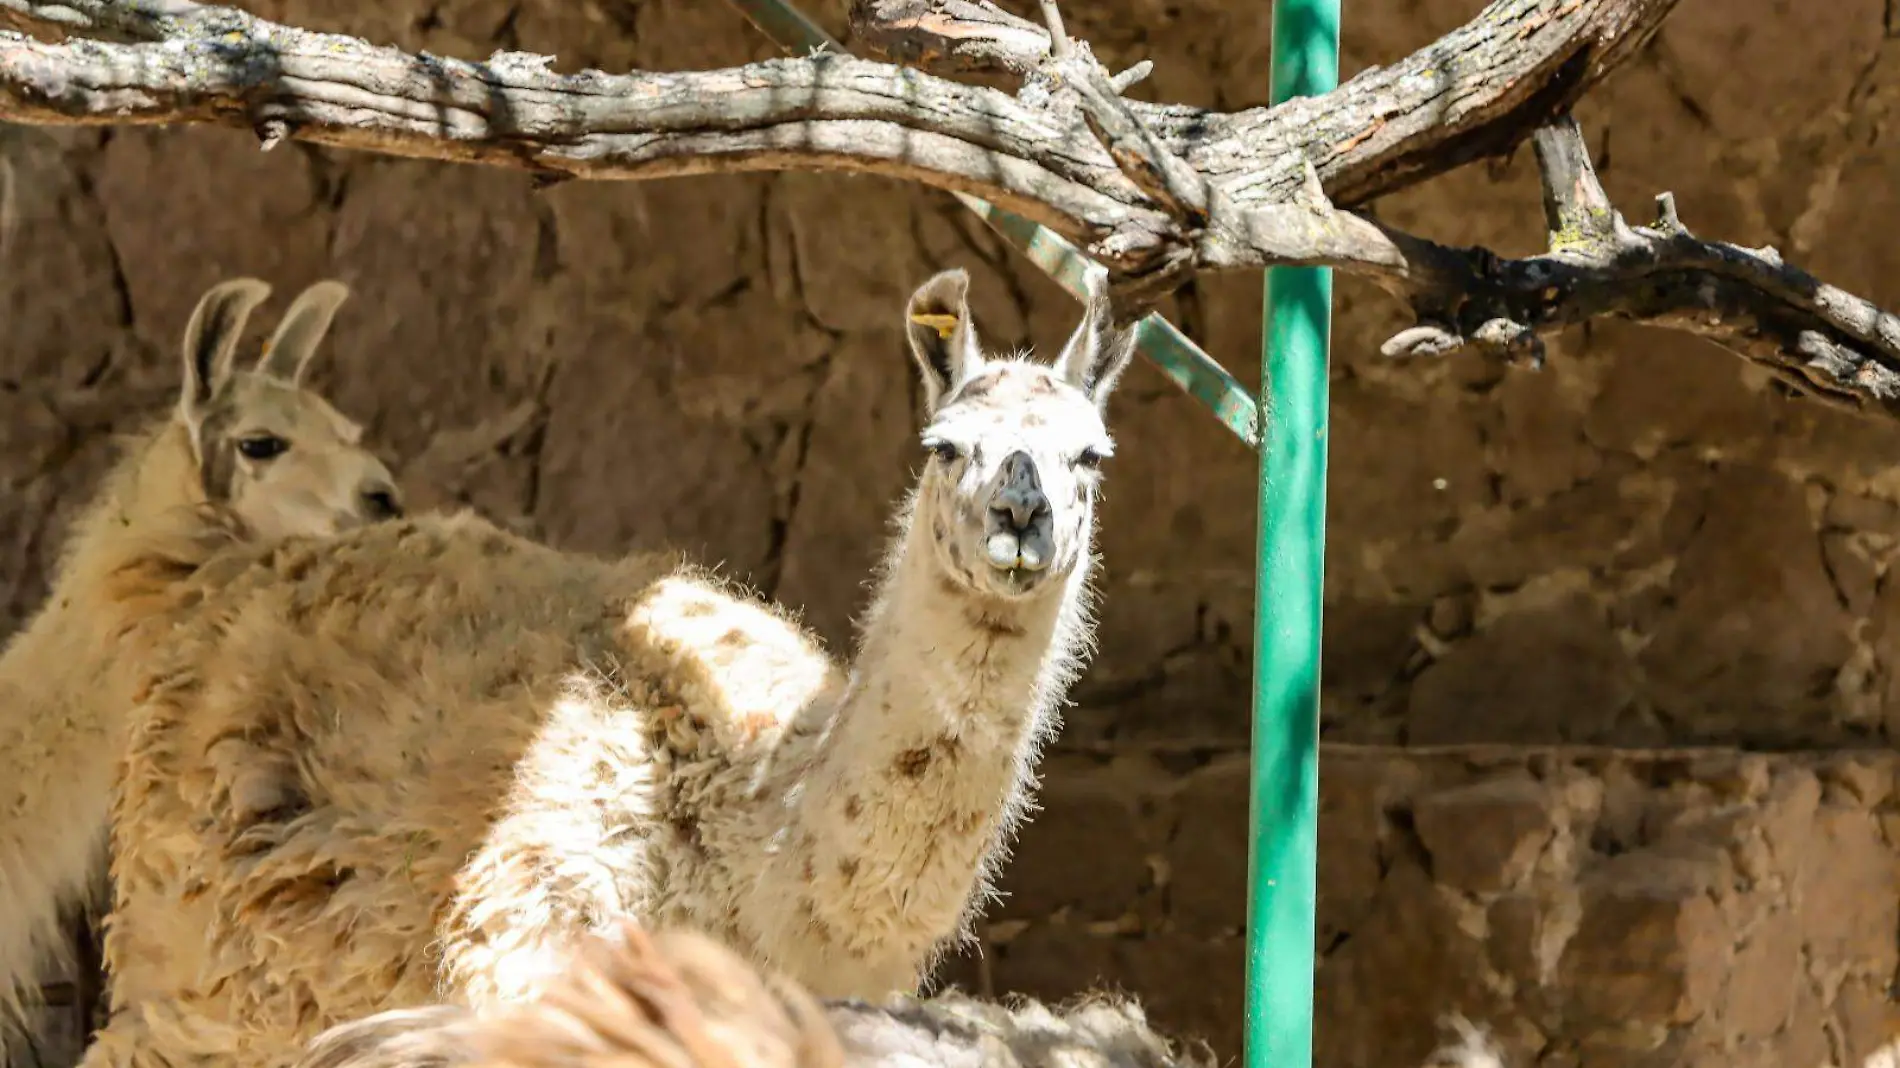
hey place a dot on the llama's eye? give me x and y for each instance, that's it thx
(262, 447)
(942, 450)
(1089, 458)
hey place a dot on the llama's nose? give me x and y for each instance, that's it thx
(1019, 499)
(381, 502)
(1018, 511)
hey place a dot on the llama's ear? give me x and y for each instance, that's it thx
(942, 337)
(288, 351)
(211, 339)
(1098, 352)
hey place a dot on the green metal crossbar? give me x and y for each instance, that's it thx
(1160, 341)
(1290, 570)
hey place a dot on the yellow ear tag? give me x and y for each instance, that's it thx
(944, 325)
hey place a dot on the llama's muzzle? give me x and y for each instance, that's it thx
(1019, 518)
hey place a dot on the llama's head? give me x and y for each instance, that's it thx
(1014, 447)
(276, 454)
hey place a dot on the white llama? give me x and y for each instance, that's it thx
(273, 459)
(422, 760)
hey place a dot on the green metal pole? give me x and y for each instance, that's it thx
(1282, 883)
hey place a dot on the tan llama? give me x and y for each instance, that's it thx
(422, 760)
(272, 459)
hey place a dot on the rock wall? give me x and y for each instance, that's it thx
(1612, 908)
(1643, 546)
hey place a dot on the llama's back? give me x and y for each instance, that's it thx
(420, 759)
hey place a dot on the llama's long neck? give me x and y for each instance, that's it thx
(918, 780)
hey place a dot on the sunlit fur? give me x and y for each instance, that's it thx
(419, 762)
(634, 999)
(61, 717)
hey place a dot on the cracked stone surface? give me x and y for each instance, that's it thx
(1587, 908)
(1644, 546)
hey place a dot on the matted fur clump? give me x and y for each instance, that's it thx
(677, 999)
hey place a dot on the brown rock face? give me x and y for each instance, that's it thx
(1642, 546)
(1485, 838)
(1604, 908)
(1554, 670)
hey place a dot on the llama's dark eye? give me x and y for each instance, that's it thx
(1089, 458)
(942, 450)
(262, 446)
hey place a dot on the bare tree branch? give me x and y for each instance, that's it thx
(1476, 92)
(219, 65)
(1154, 192)
(1822, 341)
(822, 113)
(1052, 22)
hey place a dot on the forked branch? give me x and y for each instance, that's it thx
(1154, 192)
(1818, 339)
